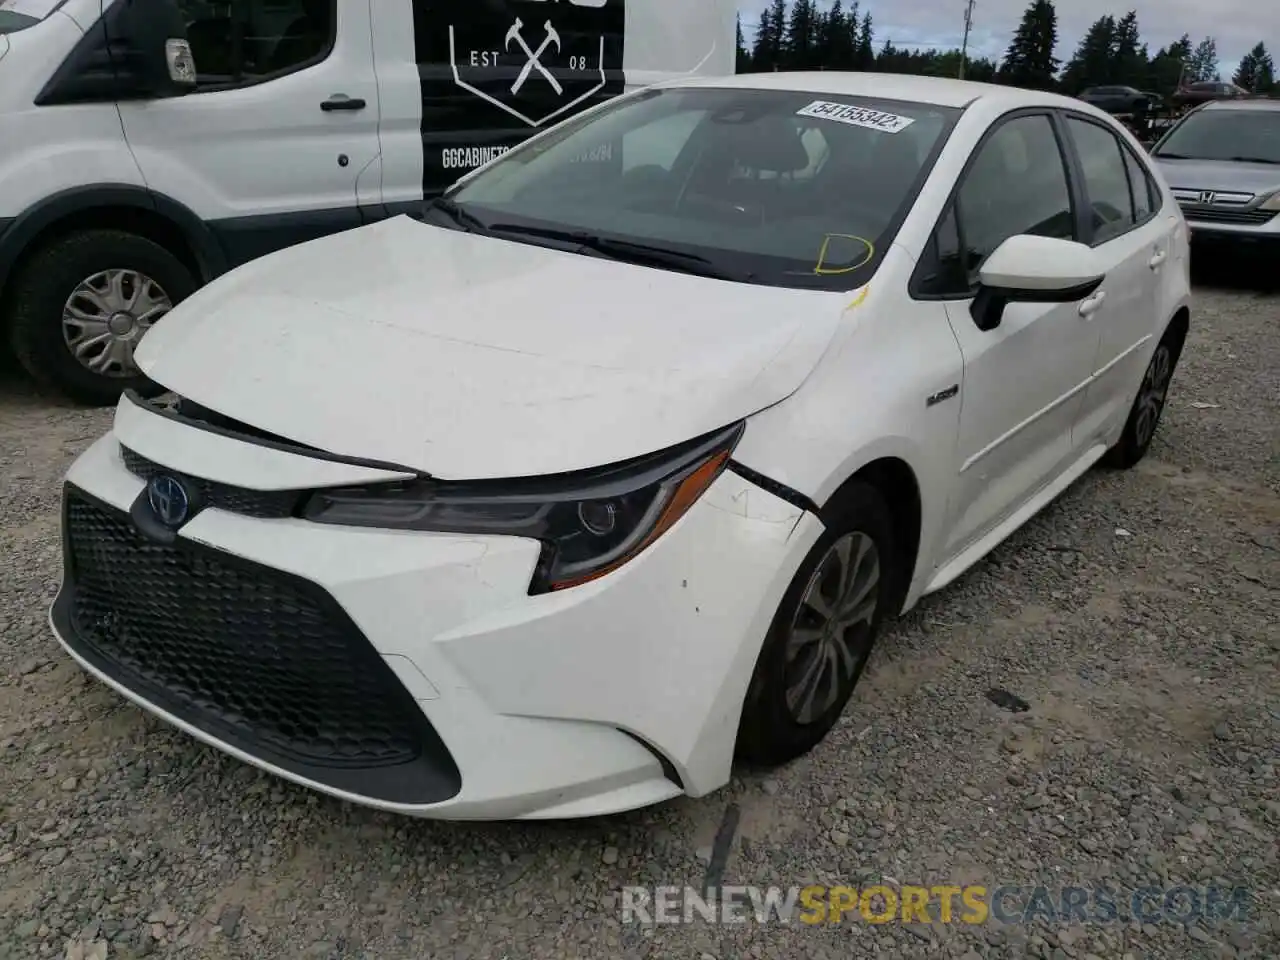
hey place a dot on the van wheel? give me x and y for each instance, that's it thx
(81, 305)
(822, 635)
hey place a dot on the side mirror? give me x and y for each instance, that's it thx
(1028, 269)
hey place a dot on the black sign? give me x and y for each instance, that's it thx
(494, 72)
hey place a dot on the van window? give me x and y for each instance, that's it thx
(17, 15)
(250, 40)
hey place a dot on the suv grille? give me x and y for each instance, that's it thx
(264, 504)
(1219, 215)
(260, 659)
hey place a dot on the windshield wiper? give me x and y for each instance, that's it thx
(455, 212)
(1171, 156)
(1269, 160)
(628, 251)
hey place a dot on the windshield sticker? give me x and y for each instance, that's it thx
(854, 263)
(856, 116)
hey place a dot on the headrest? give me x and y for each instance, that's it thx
(771, 143)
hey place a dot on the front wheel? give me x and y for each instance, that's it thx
(82, 304)
(822, 634)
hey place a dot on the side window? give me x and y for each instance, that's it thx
(1016, 184)
(1145, 195)
(1106, 179)
(244, 42)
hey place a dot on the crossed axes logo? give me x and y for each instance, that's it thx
(534, 61)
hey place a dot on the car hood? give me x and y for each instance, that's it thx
(1221, 175)
(471, 357)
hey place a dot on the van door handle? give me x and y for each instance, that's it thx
(1158, 260)
(340, 101)
(1092, 305)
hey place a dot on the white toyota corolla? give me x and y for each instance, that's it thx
(610, 468)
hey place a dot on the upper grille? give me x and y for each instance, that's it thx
(1221, 215)
(264, 504)
(260, 659)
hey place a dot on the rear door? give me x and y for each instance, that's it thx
(1122, 204)
(279, 143)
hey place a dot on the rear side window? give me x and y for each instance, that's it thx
(1146, 195)
(1106, 179)
(252, 40)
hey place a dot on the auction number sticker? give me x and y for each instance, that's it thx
(856, 116)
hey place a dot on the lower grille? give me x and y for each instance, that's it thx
(262, 660)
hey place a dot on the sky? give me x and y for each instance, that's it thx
(1236, 24)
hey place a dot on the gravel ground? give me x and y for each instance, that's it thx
(1137, 617)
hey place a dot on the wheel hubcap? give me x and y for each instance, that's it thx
(831, 633)
(106, 316)
(1155, 386)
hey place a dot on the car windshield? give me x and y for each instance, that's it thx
(17, 15)
(1239, 135)
(773, 187)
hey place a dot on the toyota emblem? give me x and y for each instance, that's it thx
(169, 499)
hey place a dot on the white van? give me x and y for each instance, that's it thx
(129, 177)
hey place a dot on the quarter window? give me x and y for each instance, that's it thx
(1106, 179)
(1146, 196)
(244, 41)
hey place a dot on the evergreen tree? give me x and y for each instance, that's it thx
(799, 43)
(1128, 57)
(1257, 71)
(865, 58)
(1166, 66)
(744, 56)
(1029, 61)
(1203, 64)
(835, 43)
(1091, 65)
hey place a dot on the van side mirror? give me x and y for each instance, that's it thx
(137, 50)
(1030, 269)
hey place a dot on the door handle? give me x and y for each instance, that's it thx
(1158, 259)
(340, 101)
(1091, 306)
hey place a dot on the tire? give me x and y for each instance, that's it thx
(1148, 406)
(774, 729)
(43, 289)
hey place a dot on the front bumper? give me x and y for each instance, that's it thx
(263, 637)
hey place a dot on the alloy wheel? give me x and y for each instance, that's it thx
(830, 637)
(1151, 397)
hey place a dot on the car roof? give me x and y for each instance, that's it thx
(1272, 105)
(936, 91)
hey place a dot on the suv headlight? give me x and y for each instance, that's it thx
(589, 523)
(1272, 202)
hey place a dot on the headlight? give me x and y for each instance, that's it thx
(589, 523)
(1272, 202)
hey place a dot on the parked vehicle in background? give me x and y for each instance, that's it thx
(1205, 91)
(125, 185)
(614, 466)
(1223, 162)
(1120, 99)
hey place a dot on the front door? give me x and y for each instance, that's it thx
(279, 142)
(1023, 381)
